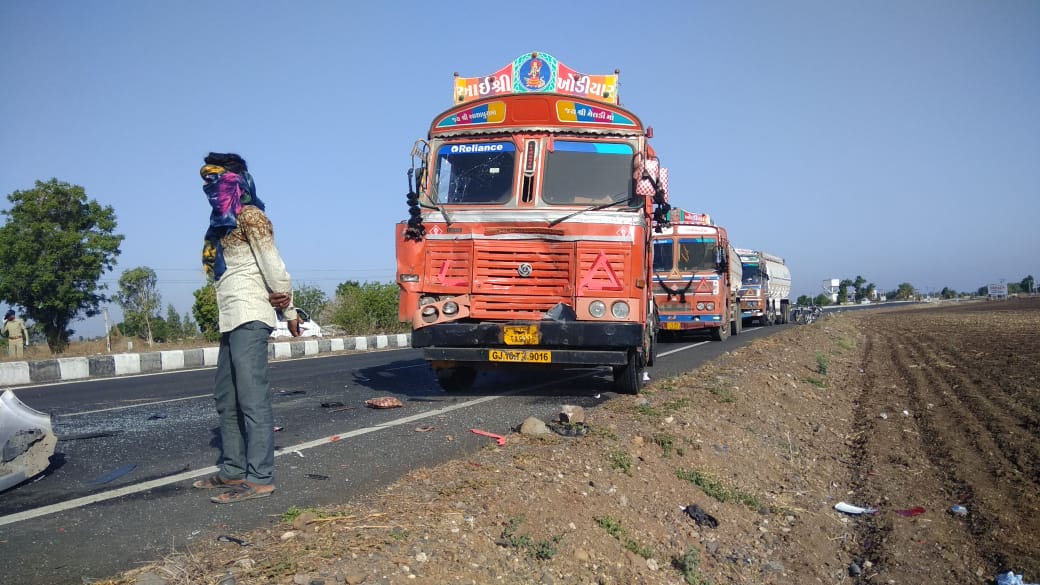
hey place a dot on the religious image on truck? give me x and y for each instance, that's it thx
(531, 207)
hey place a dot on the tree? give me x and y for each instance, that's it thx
(311, 299)
(1028, 284)
(804, 301)
(173, 325)
(188, 327)
(139, 296)
(948, 293)
(54, 248)
(822, 300)
(206, 313)
(366, 308)
(905, 291)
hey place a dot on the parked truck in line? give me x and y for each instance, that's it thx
(531, 206)
(765, 292)
(697, 276)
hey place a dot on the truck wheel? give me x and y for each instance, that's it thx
(628, 379)
(720, 333)
(737, 325)
(456, 379)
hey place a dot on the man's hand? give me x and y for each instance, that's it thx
(280, 300)
(294, 327)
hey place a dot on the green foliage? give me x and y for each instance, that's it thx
(205, 312)
(621, 461)
(311, 299)
(816, 382)
(614, 528)
(822, 300)
(689, 566)
(361, 309)
(139, 297)
(54, 248)
(822, 363)
(716, 489)
(541, 550)
(804, 301)
(174, 332)
(666, 443)
(905, 292)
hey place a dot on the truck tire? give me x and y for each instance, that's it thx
(721, 333)
(628, 379)
(737, 325)
(456, 379)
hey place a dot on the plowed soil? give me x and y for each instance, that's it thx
(907, 412)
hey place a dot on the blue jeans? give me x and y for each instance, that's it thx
(244, 405)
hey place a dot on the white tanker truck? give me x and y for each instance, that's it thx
(765, 291)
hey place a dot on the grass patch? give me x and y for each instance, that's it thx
(675, 405)
(823, 363)
(647, 409)
(714, 488)
(603, 432)
(621, 461)
(689, 566)
(846, 344)
(613, 528)
(293, 512)
(816, 382)
(541, 549)
(666, 443)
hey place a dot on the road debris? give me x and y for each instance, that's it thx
(499, 438)
(384, 402)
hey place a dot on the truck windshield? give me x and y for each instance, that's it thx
(475, 173)
(751, 274)
(587, 173)
(696, 255)
(664, 257)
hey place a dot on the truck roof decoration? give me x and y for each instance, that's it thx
(678, 216)
(537, 73)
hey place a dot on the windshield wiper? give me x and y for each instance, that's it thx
(447, 220)
(593, 208)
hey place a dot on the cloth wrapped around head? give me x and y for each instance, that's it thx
(229, 187)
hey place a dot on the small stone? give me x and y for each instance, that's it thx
(651, 564)
(572, 414)
(301, 521)
(421, 557)
(581, 555)
(533, 426)
(356, 579)
(245, 563)
(289, 535)
(773, 567)
(854, 570)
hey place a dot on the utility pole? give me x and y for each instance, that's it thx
(108, 338)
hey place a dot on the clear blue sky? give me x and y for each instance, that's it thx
(895, 140)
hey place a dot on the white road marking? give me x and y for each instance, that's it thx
(683, 348)
(138, 405)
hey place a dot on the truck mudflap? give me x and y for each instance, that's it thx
(27, 441)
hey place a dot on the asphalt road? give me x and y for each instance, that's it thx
(118, 491)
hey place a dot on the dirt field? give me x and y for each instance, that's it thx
(907, 411)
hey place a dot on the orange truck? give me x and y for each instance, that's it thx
(528, 244)
(697, 276)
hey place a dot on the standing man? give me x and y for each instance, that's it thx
(16, 333)
(240, 257)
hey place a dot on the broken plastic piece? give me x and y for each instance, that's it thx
(501, 440)
(646, 376)
(384, 402)
(915, 511)
(157, 416)
(277, 428)
(850, 509)
(26, 441)
(238, 541)
(699, 516)
(115, 474)
(958, 510)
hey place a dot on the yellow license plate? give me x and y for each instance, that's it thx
(672, 325)
(520, 355)
(520, 334)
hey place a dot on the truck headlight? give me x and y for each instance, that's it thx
(429, 313)
(619, 310)
(710, 306)
(450, 308)
(700, 306)
(597, 309)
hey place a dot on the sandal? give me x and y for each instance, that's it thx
(216, 481)
(240, 493)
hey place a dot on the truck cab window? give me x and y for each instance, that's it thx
(697, 254)
(475, 173)
(587, 173)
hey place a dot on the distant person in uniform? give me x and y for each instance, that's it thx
(240, 257)
(16, 333)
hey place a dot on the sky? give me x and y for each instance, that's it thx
(898, 141)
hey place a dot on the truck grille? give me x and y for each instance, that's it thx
(499, 269)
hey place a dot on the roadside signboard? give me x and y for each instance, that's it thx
(998, 290)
